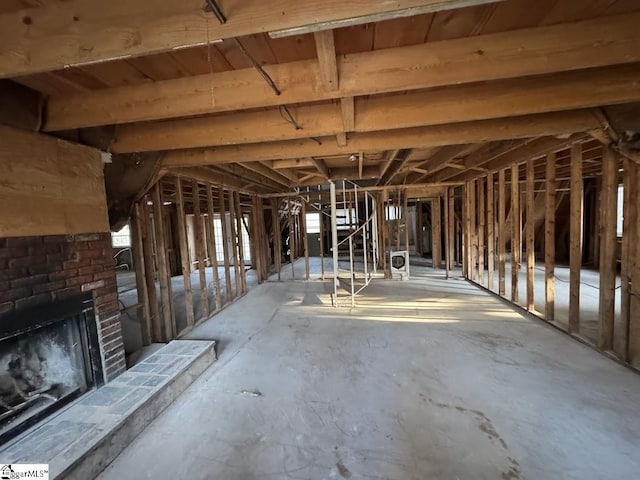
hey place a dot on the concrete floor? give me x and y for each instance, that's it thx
(424, 379)
(589, 296)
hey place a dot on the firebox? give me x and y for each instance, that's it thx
(49, 355)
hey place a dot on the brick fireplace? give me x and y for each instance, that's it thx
(39, 276)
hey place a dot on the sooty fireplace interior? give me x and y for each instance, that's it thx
(49, 356)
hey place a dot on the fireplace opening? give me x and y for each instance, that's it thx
(48, 357)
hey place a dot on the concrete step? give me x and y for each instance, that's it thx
(83, 438)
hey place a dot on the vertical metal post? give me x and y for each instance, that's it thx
(374, 237)
(334, 241)
(365, 231)
(353, 300)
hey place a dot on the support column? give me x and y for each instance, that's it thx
(213, 251)
(516, 232)
(225, 244)
(167, 312)
(575, 247)
(502, 246)
(184, 254)
(436, 233)
(139, 237)
(530, 232)
(200, 246)
(334, 241)
(491, 222)
(481, 229)
(550, 238)
(608, 220)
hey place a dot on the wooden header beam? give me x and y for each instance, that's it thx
(498, 99)
(535, 51)
(423, 137)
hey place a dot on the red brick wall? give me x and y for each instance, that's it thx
(41, 269)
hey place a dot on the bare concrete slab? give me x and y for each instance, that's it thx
(426, 379)
(83, 438)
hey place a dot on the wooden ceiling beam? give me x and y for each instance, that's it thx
(399, 161)
(534, 149)
(419, 137)
(504, 98)
(79, 32)
(321, 166)
(268, 172)
(327, 63)
(535, 51)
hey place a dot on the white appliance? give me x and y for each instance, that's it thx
(399, 262)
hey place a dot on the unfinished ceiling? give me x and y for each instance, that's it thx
(424, 92)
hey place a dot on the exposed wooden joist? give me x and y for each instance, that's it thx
(421, 137)
(62, 34)
(268, 172)
(328, 66)
(321, 166)
(508, 98)
(536, 51)
(347, 107)
(399, 160)
(534, 149)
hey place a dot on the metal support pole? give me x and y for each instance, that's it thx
(365, 231)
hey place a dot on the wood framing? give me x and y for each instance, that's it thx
(184, 254)
(534, 51)
(138, 239)
(530, 233)
(508, 98)
(167, 312)
(212, 247)
(608, 272)
(575, 238)
(516, 232)
(481, 207)
(502, 252)
(491, 236)
(199, 239)
(226, 240)
(550, 237)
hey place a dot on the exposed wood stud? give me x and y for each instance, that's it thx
(146, 232)
(530, 232)
(473, 228)
(620, 337)
(575, 241)
(633, 329)
(213, 248)
(199, 239)
(550, 237)
(608, 218)
(226, 240)
(167, 312)
(516, 233)
(451, 227)
(436, 222)
(481, 229)
(277, 236)
(467, 229)
(184, 253)
(139, 237)
(491, 237)
(502, 245)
